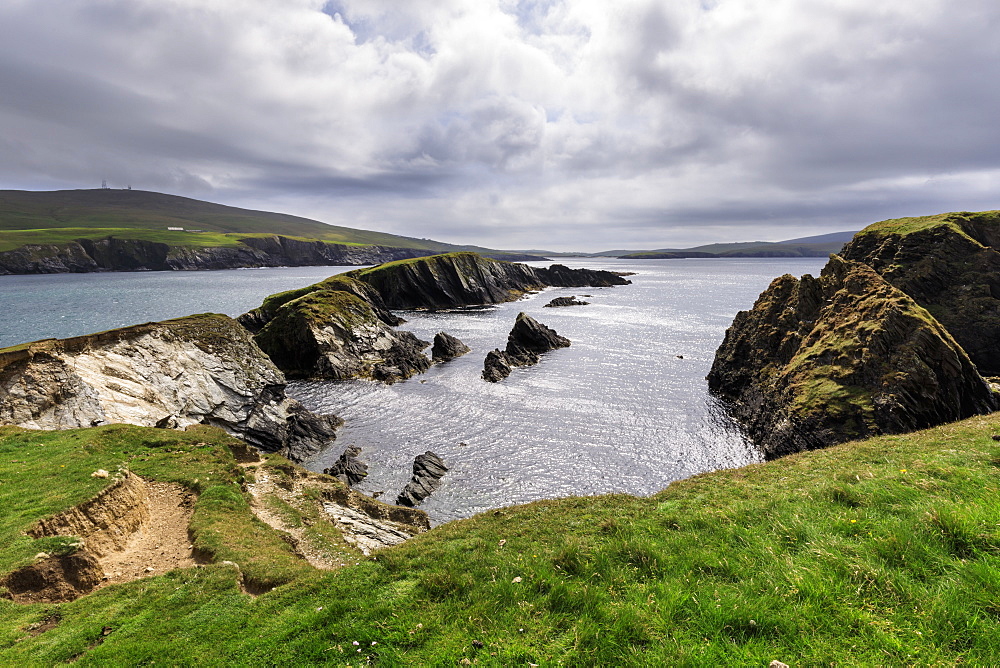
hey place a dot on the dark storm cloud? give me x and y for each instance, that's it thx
(506, 123)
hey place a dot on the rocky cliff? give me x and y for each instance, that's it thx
(342, 327)
(117, 254)
(334, 334)
(200, 369)
(950, 265)
(844, 356)
(467, 279)
(527, 340)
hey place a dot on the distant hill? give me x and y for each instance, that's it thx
(133, 230)
(816, 246)
(139, 209)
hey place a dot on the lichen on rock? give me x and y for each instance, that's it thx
(844, 356)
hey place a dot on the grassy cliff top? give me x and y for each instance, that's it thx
(28, 213)
(879, 552)
(953, 221)
(466, 258)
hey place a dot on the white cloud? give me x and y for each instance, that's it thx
(514, 123)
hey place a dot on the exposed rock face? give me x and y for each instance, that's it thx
(447, 347)
(496, 366)
(114, 254)
(342, 328)
(950, 265)
(335, 335)
(428, 469)
(527, 340)
(844, 356)
(348, 469)
(200, 369)
(566, 301)
(467, 279)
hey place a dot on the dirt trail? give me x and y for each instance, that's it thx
(162, 543)
(264, 486)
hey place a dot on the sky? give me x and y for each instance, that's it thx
(562, 125)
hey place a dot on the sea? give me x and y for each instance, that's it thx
(624, 409)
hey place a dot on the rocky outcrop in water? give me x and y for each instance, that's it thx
(844, 356)
(342, 328)
(950, 265)
(566, 301)
(202, 369)
(348, 469)
(333, 334)
(428, 469)
(467, 279)
(447, 347)
(527, 340)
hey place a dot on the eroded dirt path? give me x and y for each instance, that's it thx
(263, 487)
(162, 543)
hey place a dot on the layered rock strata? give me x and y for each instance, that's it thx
(342, 327)
(334, 334)
(527, 340)
(348, 469)
(950, 265)
(428, 469)
(844, 356)
(203, 369)
(466, 279)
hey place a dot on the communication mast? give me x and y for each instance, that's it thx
(104, 184)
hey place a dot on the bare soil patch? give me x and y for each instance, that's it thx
(162, 543)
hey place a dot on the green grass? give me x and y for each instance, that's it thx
(27, 211)
(880, 552)
(904, 226)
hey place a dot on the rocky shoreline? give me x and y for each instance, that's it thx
(211, 369)
(890, 338)
(118, 254)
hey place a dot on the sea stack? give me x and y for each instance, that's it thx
(447, 347)
(527, 340)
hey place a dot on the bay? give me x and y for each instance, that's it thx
(624, 409)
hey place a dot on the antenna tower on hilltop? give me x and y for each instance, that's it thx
(104, 184)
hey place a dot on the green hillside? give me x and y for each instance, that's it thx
(881, 552)
(136, 209)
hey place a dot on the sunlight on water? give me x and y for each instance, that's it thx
(618, 411)
(624, 409)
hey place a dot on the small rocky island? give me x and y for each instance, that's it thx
(566, 301)
(890, 338)
(527, 340)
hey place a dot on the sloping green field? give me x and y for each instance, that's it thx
(29, 211)
(881, 552)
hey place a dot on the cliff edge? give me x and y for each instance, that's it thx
(950, 265)
(818, 361)
(202, 369)
(342, 327)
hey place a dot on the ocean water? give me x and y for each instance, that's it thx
(62, 305)
(624, 409)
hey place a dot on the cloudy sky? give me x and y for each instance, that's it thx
(559, 124)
